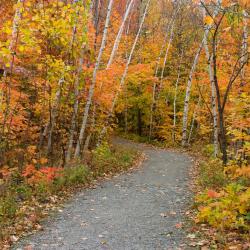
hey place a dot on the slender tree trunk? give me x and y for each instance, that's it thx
(155, 83)
(76, 105)
(92, 87)
(15, 33)
(9, 68)
(193, 119)
(223, 140)
(122, 82)
(54, 114)
(188, 90)
(213, 99)
(244, 47)
(119, 35)
(166, 55)
(88, 139)
(176, 93)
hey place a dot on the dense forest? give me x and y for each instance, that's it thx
(173, 73)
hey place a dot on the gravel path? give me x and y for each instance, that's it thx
(134, 211)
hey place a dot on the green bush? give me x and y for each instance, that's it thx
(212, 174)
(24, 192)
(76, 175)
(227, 209)
(8, 207)
(208, 150)
(107, 160)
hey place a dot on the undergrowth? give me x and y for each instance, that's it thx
(26, 196)
(224, 200)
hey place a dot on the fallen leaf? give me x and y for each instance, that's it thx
(191, 236)
(179, 225)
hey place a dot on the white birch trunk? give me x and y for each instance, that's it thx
(244, 47)
(87, 141)
(50, 124)
(13, 42)
(213, 91)
(92, 87)
(76, 106)
(176, 93)
(188, 90)
(15, 31)
(119, 35)
(193, 119)
(154, 99)
(54, 113)
(166, 55)
(125, 72)
(154, 86)
(213, 99)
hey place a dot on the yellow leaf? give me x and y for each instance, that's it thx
(21, 48)
(208, 20)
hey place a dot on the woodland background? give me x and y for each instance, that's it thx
(172, 73)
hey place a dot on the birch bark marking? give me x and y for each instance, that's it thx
(51, 124)
(76, 105)
(188, 89)
(54, 113)
(15, 31)
(166, 55)
(213, 96)
(155, 74)
(193, 119)
(161, 81)
(92, 87)
(244, 47)
(12, 49)
(119, 35)
(176, 92)
(125, 72)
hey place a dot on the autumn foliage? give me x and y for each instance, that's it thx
(179, 76)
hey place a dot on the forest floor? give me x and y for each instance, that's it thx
(144, 209)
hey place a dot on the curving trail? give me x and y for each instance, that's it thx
(134, 211)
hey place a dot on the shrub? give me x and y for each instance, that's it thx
(8, 207)
(107, 160)
(24, 192)
(228, 209)
(212, 174)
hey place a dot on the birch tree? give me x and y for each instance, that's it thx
(76, 104)
(170, 26)
(119, 35)
(49, 128)
(176, 92)
(124, 75)
(53, 113)
(244, 47)
(92, 87)
(10, 65)
(213, 93)
(188, 90)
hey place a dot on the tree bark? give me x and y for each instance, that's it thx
(53, 114)
(76, 105)
(213, 96)
(9, 68)
(193, 119)
(92, 87)
(156, 74)
(119, 35)
(176, 93)
(122, 82)
(188, 92)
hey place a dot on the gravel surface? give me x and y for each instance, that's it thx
(134, 211)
